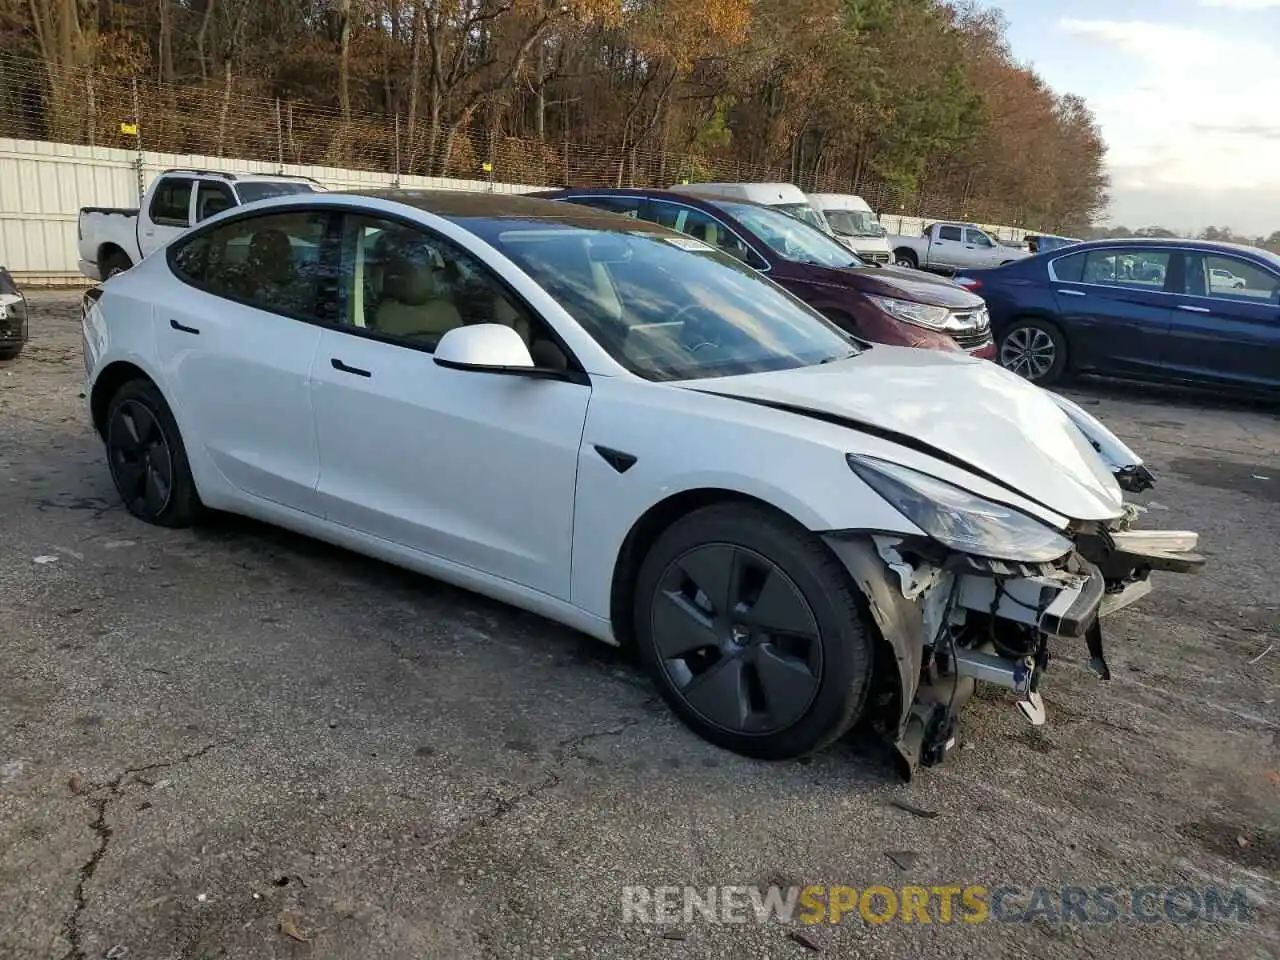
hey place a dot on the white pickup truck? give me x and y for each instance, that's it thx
(948, 247)
(112, 240)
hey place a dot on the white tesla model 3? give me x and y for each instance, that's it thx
(632, 433)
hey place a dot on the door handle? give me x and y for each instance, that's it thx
(339, 365)
(1071, 293)
(183, 329)
(1190, 309)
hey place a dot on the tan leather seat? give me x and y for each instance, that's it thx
(411, 304)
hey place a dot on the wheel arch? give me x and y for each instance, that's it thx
(109, 248)
(646, 530)
(114, 376)
(906, 253)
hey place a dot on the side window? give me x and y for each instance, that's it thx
(279, 262)
(1134, 269)
(949, 233)
(706, 228)
(977, 238)
(212, 198)
(413, 286)
(171, 202)
(1226, 278)
(1069, 268)
(624, 206)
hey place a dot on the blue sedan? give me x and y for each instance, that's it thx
(1178, 311)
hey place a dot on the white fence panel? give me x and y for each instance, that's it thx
(44, 185)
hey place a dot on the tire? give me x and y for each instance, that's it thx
(764, 693)
(1034, 349)
(10, 352)
(117, 261)
(143, 444)
(906, 258)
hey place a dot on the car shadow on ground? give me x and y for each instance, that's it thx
(572, 650)
(1090, 390)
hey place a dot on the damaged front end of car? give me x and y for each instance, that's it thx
(979, 597)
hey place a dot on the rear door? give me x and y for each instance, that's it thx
(980, 250)
(1115, 307)
(239, 342)
(1226, 322)
(168, 214)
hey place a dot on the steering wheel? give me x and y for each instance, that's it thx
(697, 342)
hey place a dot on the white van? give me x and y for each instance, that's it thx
(786, 197)
(855, 224)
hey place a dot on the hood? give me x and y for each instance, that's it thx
(973, 411)
(914, 285)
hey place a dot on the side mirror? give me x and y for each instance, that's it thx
(485, 347)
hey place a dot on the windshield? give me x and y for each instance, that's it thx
(854, 223)
(670, 307)
(802, 211)
(262, 189)
(790, 238)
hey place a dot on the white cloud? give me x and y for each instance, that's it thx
(1242, 4)
(1201, 118)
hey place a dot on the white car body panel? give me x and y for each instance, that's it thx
(479, 469)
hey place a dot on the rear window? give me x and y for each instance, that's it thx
(264, 189)
(171, 202)
(1070, 268)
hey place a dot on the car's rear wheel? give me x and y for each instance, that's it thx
(753, 632)
(147, 458)
(11, 351)
(906, 258)
(1035, 350)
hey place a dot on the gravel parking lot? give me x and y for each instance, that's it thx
(236, 742)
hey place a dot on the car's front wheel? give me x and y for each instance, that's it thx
(753, 632)
(1034, 349)
(147, 458)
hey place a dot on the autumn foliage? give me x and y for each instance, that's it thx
(918, 105)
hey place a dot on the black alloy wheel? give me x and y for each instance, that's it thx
(737, 639)
(753, 632)
(147, 458)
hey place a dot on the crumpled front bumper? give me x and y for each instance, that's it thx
(951, 621)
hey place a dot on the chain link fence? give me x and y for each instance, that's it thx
(221, 119)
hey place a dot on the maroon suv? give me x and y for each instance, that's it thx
(882, 304)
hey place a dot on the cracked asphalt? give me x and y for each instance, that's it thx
(236, 742)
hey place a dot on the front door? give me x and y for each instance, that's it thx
(475, 468)
(1226, 322)
(240, 342)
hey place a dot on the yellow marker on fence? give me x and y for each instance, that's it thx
(487, 167)
(130, 128)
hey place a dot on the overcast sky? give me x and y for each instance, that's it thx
(1187, 93)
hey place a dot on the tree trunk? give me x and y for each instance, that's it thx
(343, 8)
(415, 64)
(202, 36)
(166, 42)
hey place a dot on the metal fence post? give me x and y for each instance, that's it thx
(279, 138)
(395, 180)
(137, 133)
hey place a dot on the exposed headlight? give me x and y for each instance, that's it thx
(935, 318)
(959, 519)
(919, 313)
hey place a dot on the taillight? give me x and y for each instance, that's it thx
(969, 283)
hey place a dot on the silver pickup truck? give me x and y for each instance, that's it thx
(948, 247)
(112, 239)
